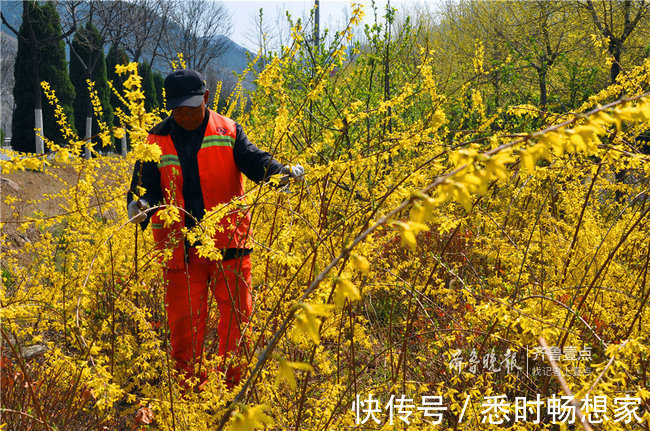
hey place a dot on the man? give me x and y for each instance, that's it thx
(203, 157)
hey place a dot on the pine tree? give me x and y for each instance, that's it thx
(158, 82)
(117, 55)
(148, 87)
(87, 62)
(40, 56)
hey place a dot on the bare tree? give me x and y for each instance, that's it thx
(616, 21)
(268, 35)
(260, 34)
(536, 32)
(140, 26)
(197, 32)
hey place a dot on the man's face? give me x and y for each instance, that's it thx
(190, 118)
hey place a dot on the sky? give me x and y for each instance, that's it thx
(332, 14)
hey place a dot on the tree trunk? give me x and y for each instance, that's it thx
(36, 83)
(615, 49)
(123, 142)
(38, 127)
(89, 133)
(541, 73)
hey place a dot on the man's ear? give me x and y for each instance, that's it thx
(206, 96)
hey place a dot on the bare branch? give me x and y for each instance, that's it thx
(9, 26)
(199, 35)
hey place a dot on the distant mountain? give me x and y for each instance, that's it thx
(9, 41)
(235, 57)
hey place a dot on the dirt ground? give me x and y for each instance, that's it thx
(32, 186)
(34, 192)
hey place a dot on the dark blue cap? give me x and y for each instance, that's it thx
(184, 87)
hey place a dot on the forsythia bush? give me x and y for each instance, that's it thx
(405, 284)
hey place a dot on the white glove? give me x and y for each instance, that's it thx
(296, 172)
(136, 210)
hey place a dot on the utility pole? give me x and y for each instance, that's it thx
(317, 25)
(389, 23)
(316, 37)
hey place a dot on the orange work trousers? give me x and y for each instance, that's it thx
(187, 299)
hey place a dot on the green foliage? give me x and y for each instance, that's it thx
(158, 82)
(116, 55)
(87, 62)
(550, 54)
(151, 101)
(50, 65)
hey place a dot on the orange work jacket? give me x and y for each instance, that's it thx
(220, 180)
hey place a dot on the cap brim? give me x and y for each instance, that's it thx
(189, 101)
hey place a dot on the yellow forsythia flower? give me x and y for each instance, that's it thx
(250, 418)
(285, 371)
(360, 263)
(169, 215)
(345, 289)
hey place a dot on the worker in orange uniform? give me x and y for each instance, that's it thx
(203, 157)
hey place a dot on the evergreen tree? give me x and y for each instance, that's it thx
(158, 82)
(87, 62)
(40, 56)
(148, 87)
(116, 55)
